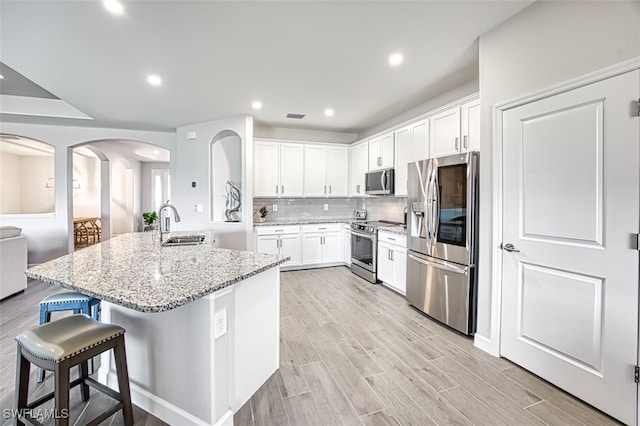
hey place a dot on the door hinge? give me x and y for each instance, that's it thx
(636, 374)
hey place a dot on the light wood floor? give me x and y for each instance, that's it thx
(352, 353)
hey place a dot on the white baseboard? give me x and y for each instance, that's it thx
(486, 345)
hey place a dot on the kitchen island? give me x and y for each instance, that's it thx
(202, 322)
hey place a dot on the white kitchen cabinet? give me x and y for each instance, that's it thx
(278, 169)
(346, 244)
(470, 118)
(321, 244)
(359, 167)
(381, 152)
(411, 144)
(456, 130)
(392, 261)
(326, 171)
(280, 240)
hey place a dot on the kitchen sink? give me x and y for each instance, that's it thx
(183, 240)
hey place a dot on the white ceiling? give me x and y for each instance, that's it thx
(24, 147)
(216, 57)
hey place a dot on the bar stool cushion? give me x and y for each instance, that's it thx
(59, 340)
(65, 297)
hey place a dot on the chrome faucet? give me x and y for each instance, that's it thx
(165, 222)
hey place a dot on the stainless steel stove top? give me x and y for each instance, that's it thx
(371, 226)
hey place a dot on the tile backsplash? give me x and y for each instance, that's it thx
(387, 208)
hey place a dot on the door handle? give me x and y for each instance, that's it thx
(325, 189)
(282, 189)
(457, 140)
(465, 142)
(276, 189)
(509, 247)
(357, 189)
(329, 189)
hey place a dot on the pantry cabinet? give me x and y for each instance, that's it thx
(326, 171)
(359, 167)
(392, 261)
(456, 130)
(279, 170)
(381, 153)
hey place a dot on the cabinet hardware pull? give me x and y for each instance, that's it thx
(357, 189)
(329, 189)
(392, 239)
(457, 140)
(279, 230)
(282, 189)
(276, 189)
(325, 189)
(391, 251)
(322, 229)
(465, 141)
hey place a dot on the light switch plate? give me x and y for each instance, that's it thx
(274, 208)
(326, 206)
(199, 208)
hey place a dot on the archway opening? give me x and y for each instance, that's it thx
(226, 177)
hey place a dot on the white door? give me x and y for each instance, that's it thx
(290, 246)
(375, 154)
(570, 294)
(332, 247)
(315, 173)
(420, 140)
(400, 269)
(445, 133)
(387, 148)
(403, 156)
(291, 170)
(311, 248)
(267, 244)
(359, 166)
(266, 169)
(338, 171)
(471, 126)
(346, 246)
(385, 264)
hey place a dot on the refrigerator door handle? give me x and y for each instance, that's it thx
(436, 206)
(442, 265)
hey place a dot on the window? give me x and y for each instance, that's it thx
(160, 187)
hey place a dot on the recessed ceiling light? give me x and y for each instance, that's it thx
(1, 77)
(328, 112)
(256, 105)
(396, 59)
(113, 6)
(154, 80)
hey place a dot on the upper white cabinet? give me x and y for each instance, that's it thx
(471, 126)
(381, 152)
(411, 144)
(278, 169)
(456, 130)
(359, 166)
(326, 171)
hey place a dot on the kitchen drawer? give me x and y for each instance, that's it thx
(392, 238)
(322, 227)
(271, 230)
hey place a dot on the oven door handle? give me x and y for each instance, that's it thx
(363, 235)
(446, 266)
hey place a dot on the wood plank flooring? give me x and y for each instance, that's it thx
(354, 353)
(351, 353)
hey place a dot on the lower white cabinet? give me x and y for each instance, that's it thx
(346, 244)
(280, 240)
(321, 244)
(392, 261)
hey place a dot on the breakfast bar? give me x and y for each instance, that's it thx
(202, 322)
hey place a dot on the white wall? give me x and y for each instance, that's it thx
(266, 132)
(546, 44)
(191, 163)
(48, 237)
(9, 184)
(86, 200)
(34, 173)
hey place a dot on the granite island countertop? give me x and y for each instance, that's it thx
(133, 271)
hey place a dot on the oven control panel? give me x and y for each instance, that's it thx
(363, 227)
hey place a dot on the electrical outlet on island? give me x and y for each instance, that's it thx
(220, 323)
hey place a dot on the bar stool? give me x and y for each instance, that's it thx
(60, 345)
(68, 301)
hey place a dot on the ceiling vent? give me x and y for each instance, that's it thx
(296, 116)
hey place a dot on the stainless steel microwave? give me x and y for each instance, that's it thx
(379, 182)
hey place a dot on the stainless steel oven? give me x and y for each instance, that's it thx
(364, 246)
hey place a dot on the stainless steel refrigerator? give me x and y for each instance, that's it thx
(442, 239)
